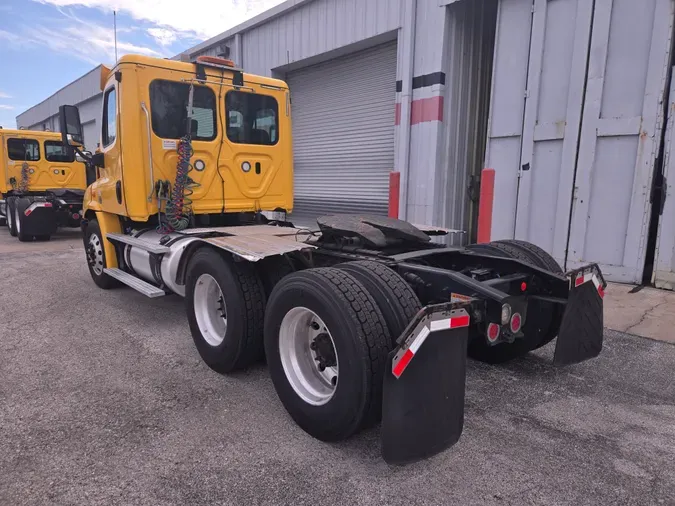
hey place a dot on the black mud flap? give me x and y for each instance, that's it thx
(581, 330)
(424, 384)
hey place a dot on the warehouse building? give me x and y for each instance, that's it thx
(567, 100)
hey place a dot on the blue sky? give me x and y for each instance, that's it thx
(46, 44)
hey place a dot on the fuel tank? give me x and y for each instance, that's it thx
(158, 269)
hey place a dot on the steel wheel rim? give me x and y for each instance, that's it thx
(17, 220)
(299, 328)
(9, 217)
(95, 255)
(210, 310)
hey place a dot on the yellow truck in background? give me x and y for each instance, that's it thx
(42, 184)
(363, 319)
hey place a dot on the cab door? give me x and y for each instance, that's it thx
(108, 190)
(59, 169)
(22, 150)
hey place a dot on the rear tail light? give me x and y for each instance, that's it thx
(493, 332)
(76, 216)
(516, 322)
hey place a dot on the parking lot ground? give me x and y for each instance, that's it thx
(104, 400)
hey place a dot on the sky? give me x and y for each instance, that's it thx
(46, 44)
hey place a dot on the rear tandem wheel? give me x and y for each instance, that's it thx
(538, 330)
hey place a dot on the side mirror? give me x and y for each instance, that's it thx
(84, 157)
(71, 127)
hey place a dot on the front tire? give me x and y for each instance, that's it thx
(326, 317)
(225, 306)
(96, 259)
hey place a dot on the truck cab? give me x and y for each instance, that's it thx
(41, 183)
(237, 134)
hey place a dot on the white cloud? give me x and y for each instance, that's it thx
(4, 95)
(87, 41)
(163, 36)
(7, 107)
(201, 18)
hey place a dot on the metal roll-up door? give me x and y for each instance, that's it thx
(343, 133)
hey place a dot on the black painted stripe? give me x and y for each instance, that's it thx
(423, 81)
(428, 80)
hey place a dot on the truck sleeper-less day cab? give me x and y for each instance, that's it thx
(41, 184)
(363, 320)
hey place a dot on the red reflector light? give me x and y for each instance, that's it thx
(459, 321)
(523, 286)
(516, 322)
(493, 332)
(580, 280)
(403, 363)
(601, 292)
(27, 212)
(48, 204)
(76, 216)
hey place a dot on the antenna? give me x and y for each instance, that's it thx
(115, 30)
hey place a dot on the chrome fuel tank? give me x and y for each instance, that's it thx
(158, 269)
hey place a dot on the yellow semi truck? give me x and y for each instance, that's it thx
(363, 319)
(42, 184)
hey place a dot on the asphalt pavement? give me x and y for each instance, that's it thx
(104, 400)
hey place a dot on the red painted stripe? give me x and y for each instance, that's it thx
(397, 120)
(459, 321)
(601, 292)
(487, 196)
(394, 193)
(426, 109)
(403, 363)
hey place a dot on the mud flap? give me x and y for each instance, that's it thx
(424, 384)
(581, 330)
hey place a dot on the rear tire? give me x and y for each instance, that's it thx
(542, 257)
(20, 206)
(343, 310)
(225, 306)
(10, 216)
(44, 237)
(95, 254)
(543, 318)
(397, 301)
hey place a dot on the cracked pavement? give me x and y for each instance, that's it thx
(104, 400)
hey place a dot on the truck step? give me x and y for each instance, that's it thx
(157, 249)
(137, 284)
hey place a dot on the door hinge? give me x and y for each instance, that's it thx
(527, 93)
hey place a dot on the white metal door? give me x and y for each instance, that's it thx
(664, 261)
(505, 125)
(620, 137)
(343, 133)
(553, 108)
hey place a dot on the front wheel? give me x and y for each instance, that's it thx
(96, 260)
(326, 344)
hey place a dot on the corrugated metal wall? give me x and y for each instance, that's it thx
(312, 29)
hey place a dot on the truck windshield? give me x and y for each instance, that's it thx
(168, 102)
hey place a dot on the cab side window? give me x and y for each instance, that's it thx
(57, 152)
(25, 150)
(252, 118)
(109, 117)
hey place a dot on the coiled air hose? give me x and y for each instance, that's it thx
(22, 185)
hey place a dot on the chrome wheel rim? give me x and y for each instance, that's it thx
(95, 254)
(308, 356)
(17, 220)
(9, 217)
(210, 310)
